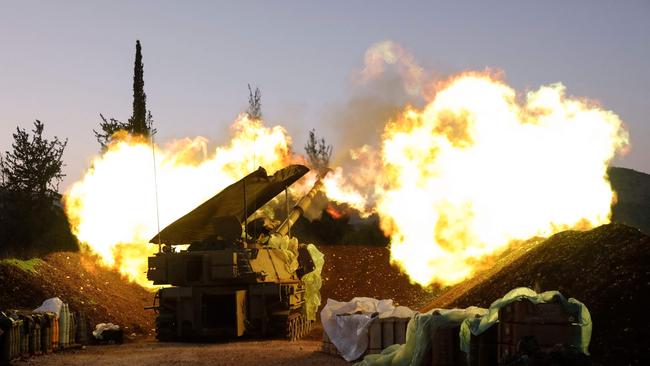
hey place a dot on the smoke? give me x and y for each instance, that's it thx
(389, 81)
(381, 54)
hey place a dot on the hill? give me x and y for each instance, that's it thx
(606, 268)
(102, 294)
(353, 271)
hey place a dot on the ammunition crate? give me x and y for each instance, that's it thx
(548, 323)
(483, 348)
(10, 339)
(445, 347)
(382, 333)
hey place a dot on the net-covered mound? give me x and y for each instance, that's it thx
(102, 294)
(361, 271)
(607, 268)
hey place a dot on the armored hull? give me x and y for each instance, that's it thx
(226, 284)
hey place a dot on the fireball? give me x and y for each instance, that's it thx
(455, 183)
(481, 166)
(114, 208)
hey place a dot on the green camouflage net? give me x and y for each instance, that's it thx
(312, 280)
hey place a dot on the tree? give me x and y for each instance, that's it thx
(141, 121)
(318, 152)
(35, 165)
(31, 216)
(2, 173)
(138, 121)
(108, 129)
(254, 103)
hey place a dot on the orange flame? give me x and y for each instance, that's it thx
(478, 168)
(336, 214)
(112, 209)
(455, 182)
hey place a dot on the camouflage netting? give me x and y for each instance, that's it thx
(312, 280)
(477, 326)
(418, 337)
(473, 320)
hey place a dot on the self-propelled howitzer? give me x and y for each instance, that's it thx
(227, 283)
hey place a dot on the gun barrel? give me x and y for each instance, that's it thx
(301, 207)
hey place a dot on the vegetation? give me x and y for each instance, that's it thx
(29, 266)
(141, 121)
(35, 165)
(346, 229)
(32, 221)
(254, 103)
(138, 121)
(318, 152)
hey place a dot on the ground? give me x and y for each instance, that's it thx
(102, 294)
(606, 268)
(150, 352)
(355, 271)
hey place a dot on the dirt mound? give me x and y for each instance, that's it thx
(354, 271)
(605, 268)
(104, 295)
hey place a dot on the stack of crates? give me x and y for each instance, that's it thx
(55, 332)
(548, 324)
(25, 333)
(328, 346)
(445, 347)
(47, 327)
(35, 334)
(83, 329)
(64, 327)
(72, 330)
(483, 348)
(385, 332)
(11, 338)
(545, 324)
(382, 332)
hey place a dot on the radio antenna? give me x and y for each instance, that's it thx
(155, 184)
(245, 214)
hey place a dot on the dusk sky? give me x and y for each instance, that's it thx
(66, 62)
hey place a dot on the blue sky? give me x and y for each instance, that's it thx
(65, 62)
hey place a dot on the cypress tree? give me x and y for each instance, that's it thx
(138, 120)
(141, 122)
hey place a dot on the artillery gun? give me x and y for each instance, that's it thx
(226, 284)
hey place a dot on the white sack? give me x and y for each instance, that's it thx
(349, 333)
(52, 305)
(101, 327)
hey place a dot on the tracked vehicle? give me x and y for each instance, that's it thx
(232, 280)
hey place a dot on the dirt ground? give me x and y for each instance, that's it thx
(150, 352)
(352, 270)
(76, 278)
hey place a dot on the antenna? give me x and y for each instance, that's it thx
(155, 184)
(286, 207)
(245, 214)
